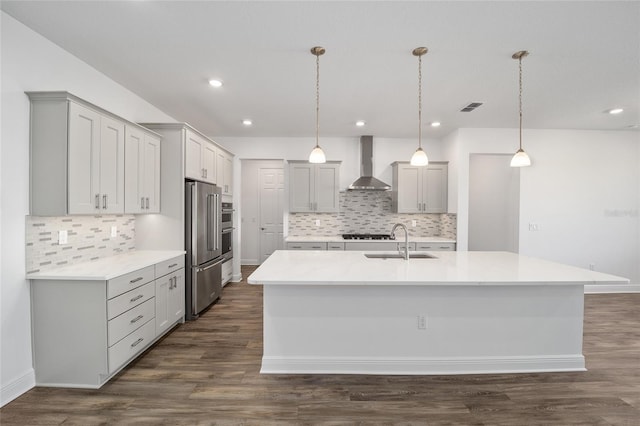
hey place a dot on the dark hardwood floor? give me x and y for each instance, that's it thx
(207, 372)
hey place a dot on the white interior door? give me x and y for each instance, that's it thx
(271, 205)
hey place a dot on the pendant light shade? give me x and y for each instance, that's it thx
(317, 154)
(520, 159)
(419, 158)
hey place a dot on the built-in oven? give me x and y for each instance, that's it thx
(226, 230)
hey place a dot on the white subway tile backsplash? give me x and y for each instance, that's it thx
(89, 238)
(370, 211)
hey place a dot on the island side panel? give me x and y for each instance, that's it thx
(469, 329)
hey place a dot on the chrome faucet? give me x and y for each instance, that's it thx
(406, 239)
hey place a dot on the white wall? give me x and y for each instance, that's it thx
(582, 190)
(30, 63)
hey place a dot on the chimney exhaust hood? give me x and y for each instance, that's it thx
(366, 179)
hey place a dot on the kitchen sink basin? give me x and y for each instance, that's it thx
(399, 256)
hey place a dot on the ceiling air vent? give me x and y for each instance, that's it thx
(471, 107)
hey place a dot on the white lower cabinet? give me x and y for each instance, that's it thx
(85, 331)
(227, 271)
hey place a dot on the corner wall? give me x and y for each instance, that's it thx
(30, 63)
(582, 190)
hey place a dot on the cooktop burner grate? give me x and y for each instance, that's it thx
(366, 236)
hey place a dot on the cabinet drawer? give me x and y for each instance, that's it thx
(131, 320)
(130, 299)
(335, 246)
(131, 345)
(168, 266)
(306, 246)
(436, 246)
(129, 281)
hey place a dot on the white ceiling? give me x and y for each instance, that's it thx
(585, 59)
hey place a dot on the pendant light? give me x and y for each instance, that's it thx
(317, 154)
(520, 159)
(419, 157)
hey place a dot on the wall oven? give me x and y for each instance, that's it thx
(226, 230)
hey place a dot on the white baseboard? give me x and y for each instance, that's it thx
(424, 366)
(236, 278)
(618, 288)
(16, 388)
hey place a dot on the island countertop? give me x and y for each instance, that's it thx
(453, 268)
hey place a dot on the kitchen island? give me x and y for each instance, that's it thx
(458, 313)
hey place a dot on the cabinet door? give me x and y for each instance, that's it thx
(326, 190)
(409, 189)
(163, 304)
(193, 156)
(176, 297)
(151, 174)
(84, 160)
(209, 158)
(220, 156)
(227, 174)
(435, 188)
(301, 187)
(111, 165)
(133, 174)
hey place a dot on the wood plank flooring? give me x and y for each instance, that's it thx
(207, 372)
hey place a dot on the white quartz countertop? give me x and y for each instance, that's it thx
(456, 268)
(108, 267)
(339, 239)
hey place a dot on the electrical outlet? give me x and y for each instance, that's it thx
(114, 231)
(534, 227)
(422, 322)
(414, 223)
(62, 237)
(592, 266)
(317, 222)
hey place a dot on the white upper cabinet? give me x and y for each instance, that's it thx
(142, 171)
(419, 189)
(224, 169)
(314, 187)
(200, 158)
(78, 157)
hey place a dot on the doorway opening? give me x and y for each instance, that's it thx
(494, 203)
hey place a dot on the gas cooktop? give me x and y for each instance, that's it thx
(366, 237)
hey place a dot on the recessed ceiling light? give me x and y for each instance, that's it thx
(247, 122)
(215, 83)
(615, 111)
(435, 124)
(360, 123)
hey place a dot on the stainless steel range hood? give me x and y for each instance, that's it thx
(366, 179)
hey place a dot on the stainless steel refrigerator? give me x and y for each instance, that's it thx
(203, 245)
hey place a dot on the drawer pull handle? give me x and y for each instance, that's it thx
(173, 265)
(136, 319)
(137, 342)
(136, 280)
(138, 297)
(444, 247)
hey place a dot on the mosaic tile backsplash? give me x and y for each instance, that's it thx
(89, 238)
(370, 211)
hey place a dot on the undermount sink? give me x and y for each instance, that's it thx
(399, 256)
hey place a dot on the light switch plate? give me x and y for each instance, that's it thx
(62, 237)
(114, 231)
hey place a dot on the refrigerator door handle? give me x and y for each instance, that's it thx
(194, 226)
(216, 263)
(216, 218)
(212, 228)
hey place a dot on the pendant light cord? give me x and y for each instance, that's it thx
(317, 99)
(520, 97)
(420, 101)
